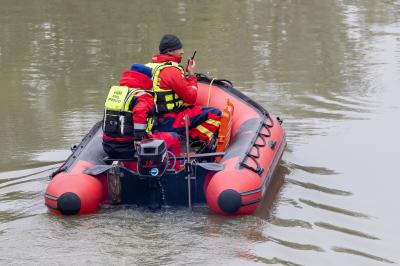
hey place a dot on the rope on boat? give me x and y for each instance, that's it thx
(209, 92)
(253, 157)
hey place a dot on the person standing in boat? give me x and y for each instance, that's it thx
(127, 128)
(175, 94)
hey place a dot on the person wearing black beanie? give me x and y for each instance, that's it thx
(169, 43)
(176, 94)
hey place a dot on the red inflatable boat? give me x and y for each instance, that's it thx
(232, 181)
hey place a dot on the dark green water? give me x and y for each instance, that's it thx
(330, 68)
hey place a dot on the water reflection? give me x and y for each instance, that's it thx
(294, 245)
(17, 195)
(273, 261)
(319, 188)
(290, 223)
(345, 230)
(9, 216)
(311, 169)
(333, 208)
(361, 254)
(272, 194)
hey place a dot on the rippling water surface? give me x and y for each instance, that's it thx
(330, 68)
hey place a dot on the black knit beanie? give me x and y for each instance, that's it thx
(169, 43)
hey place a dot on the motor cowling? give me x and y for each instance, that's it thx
(152, 158)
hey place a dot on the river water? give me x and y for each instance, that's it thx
(330, 68)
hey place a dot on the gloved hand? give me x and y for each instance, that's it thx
(138, 134)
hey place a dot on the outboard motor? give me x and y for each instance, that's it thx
(152, 163)
(152, 158)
